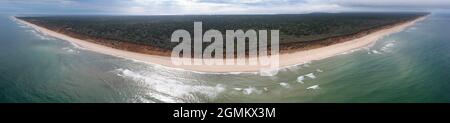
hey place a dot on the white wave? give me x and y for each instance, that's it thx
(285, 85)
(300, 79)
(269, 72)
(350, 51)
(412, 28)
(314, 87)
(40, 35)
(44, 36)
(375, 52)
(388, 46)
(141, 99)
(266, 89)
(358, 49)
(12, 18)
(311, 75)
(238, 89)
(77, 46)
(293, 67)
(171, 90)
(319, 70)
(70, 50)
(251, 90)
(23, 26)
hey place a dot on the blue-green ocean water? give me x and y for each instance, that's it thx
(410, 66)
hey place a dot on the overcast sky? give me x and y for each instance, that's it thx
(165, 7)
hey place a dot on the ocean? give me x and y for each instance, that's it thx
(409, 66)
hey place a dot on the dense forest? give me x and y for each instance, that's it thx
(156, 30)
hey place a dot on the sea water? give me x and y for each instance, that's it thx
(409, 66)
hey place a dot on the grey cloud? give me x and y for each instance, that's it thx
(412, 4)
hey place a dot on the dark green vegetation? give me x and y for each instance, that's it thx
(156, 30)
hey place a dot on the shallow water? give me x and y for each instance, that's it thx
(410, 66)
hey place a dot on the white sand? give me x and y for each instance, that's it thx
(287, 59)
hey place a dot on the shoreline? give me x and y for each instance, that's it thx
(286, 59)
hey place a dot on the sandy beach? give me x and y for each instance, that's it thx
(286, 59)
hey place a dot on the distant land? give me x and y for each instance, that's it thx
(146, 34)
(303, 37)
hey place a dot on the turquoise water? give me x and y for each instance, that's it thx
(410, 66)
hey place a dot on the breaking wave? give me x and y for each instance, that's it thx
(311, 75)
(285, 85)
(319, 70)
(168, 89)
(314, 87)
(300, 79)
(41, 35)
(251, 90)
(70, 50)
(388, 46)
(374, 52)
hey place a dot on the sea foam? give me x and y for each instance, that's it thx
(319, 70)
(41, 35)
(300, 79)
(314, 87)
(387, 47)
(375, 52)
(70, 50)
(311, 75)
(169, 89)
(251, 90)
(284, 85)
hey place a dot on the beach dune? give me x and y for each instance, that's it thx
(285, 59)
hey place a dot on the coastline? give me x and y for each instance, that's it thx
(286, 59)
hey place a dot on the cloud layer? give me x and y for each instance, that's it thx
(214, 6)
